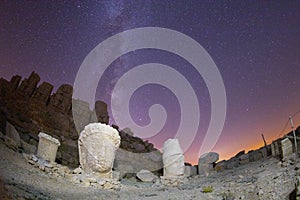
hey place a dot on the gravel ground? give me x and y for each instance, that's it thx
(266, 179)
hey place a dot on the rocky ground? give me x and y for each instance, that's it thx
(265, 179)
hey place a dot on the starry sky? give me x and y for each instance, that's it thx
(255, 45)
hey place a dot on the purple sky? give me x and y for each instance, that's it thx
(255, 45)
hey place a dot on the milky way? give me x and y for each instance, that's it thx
(255, 45)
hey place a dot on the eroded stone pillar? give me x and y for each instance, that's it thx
(47, 147)
(173, 159)
(97, 146)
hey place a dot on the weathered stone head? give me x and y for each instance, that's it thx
(97, 145)
(173, 158)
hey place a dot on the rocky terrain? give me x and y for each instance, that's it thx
(263, 179)
(32, 107)
(27, 109)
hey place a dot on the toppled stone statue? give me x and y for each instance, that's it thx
(47, 147)
(173, 159)
(97, 146)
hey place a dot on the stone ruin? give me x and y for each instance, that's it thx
(173, 161)
(173, 158)
(32, 108)
(97, 148)
(47, 148)
(207, 162)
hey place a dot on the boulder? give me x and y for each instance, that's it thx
(209, 158)
(10, 143)
(28, 148)
(173, 158)
(146, 176)
(97, 146)
(81, 114)
(129, 162)
(128, 131)
(190, 171)
(13, 133)
(206, 163)
(221, 166)
(244, 159)
(139, 147)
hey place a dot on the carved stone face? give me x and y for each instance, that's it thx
(97, 150)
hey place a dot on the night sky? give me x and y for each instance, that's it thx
(255, 45)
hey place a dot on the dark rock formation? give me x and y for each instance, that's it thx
(28, 86)
(62, 99)
(42, 93)
(101, 112)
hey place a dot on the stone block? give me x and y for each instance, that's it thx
(264, 152)
(190, 171)
(286, 148)
(209, 158)
(47, 147)
(205, 168)
(146, 176)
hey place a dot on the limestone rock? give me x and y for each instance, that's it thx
(101, 112)
(116, 175)
(28, 148)
(275, 148)
(286, 148)
(10, 143)
(139, 147)
(209, 158)
(244, 159)
(129, 162)
(206, 163)
(81, 114)
(221, 166)
(190, 171)
(173, 158)
(97, 146)
(13, 133)
(47, 147)
(78, 170)
(146, 176)
(128, 131)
